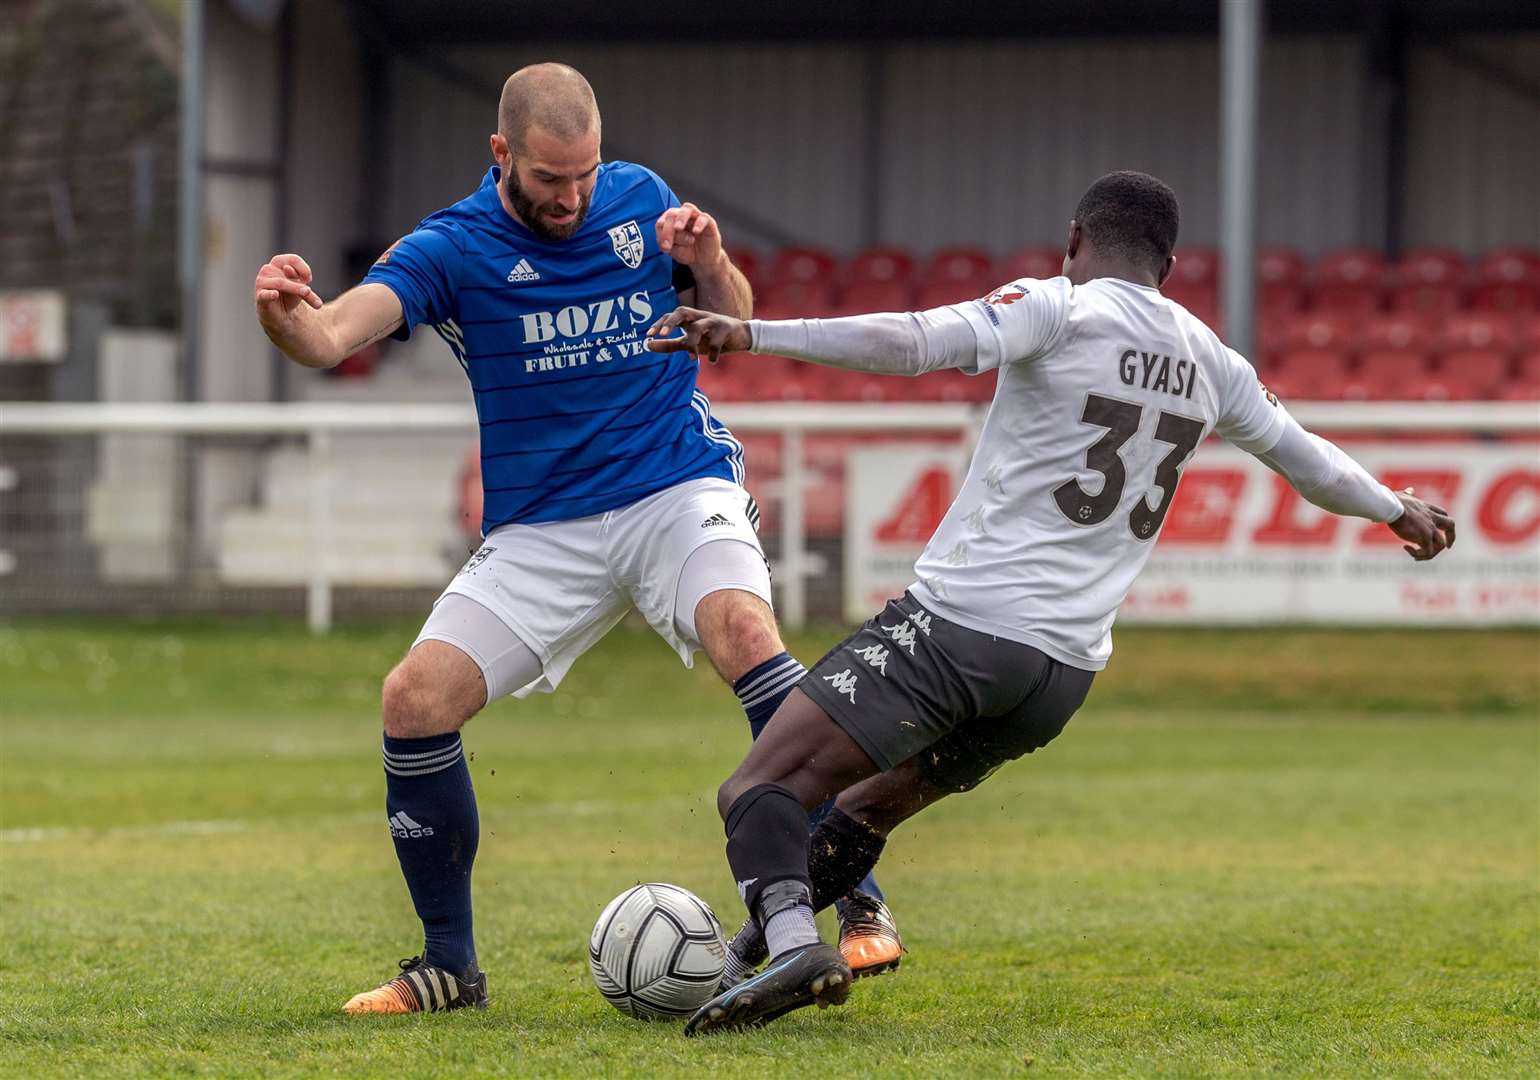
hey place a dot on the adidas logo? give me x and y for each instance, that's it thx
(405, 828)
(522, 271)
(713, 521)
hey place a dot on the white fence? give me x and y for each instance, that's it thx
(320, 426)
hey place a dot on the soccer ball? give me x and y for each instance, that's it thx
(657, 952)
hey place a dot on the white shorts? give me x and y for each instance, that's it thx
(561, 585)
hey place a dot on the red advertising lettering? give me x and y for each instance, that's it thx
(1204, 509)
(1510, 510)
(1437, 486)
(1290, 522)
(920, 510)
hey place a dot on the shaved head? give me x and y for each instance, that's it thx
(552, 97)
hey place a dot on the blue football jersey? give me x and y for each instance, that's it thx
(577, 417)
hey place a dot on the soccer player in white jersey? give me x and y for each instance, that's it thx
(1105, 389)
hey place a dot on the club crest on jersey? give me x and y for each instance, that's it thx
(627, 240)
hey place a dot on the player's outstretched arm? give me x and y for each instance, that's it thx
(1329, 478)
(313, 333)
(883, 343)
(692, 237)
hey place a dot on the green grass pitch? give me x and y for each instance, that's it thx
(1261, 852)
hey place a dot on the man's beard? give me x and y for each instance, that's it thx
(529, 212)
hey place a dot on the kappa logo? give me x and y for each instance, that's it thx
(844, 682)
(405, 828)
(715, 521)
(903, 635)
(992, 479)
(922, 620)
(627, 241)
(876, 656)
(522, 271)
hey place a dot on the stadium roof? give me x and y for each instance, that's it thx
(485, 21)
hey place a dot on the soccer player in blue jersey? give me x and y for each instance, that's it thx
(608, 484)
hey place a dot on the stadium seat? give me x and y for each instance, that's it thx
(802, 264)
(958, 264)
(1484, 369)
(1201, 300)
(867, 296)
(1390, 368)
(1520, 391)
(1398, 330)
(1280, 281)
(1349, 282)
(1508, 281)
(747, 261)
(1039, 263)
(938, 293)
(1527, 370)
(1319, 330)
(1309, 367)
(1195, 266)
(1528, 333)
(1430, 281)
(1476, 330)
(1432, 387)
(880, 265)
(796, 299)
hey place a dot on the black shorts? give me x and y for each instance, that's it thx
(911, 683)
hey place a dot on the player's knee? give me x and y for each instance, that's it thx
(410, 706)
(738, 630)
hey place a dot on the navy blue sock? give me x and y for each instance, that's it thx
(433, 820)
(761, 690)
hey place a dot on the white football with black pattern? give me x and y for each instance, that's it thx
(657, 952)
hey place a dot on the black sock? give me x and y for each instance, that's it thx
(433, 820)
(841, 853)
(766, 841)
(867, 882)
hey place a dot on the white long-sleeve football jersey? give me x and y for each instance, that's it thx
(1105, 390)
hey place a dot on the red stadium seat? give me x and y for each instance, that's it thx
(1527, 370)
(1430, 281)
(1201, 300)
(1280, 281)
(865, 296)
(1319, 330)
(797, 299)
(802, 264)
(1520, 391)
(1477, 330)
(1486, 370)
(1400, 330)
(1438, 388)
(880, 265)
(1508, 281)
(1388, 367)
(938, 293)
(1195, 266)
(1349, 282)
(1528, 333)
(1039, 263)
(959, 264)
(1310, 367)
(747, 261)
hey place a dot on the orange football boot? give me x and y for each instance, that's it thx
(869, 939)
(421, 987)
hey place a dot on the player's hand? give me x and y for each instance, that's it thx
(705, 335)
(1424, 529)
(690, 235)
(283, 284)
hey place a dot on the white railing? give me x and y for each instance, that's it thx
(318, 423)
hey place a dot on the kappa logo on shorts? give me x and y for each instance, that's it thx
(876, 656)
(903, 635)
(844, 682)
(627, 241)
(922, 620)
(477, 559)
